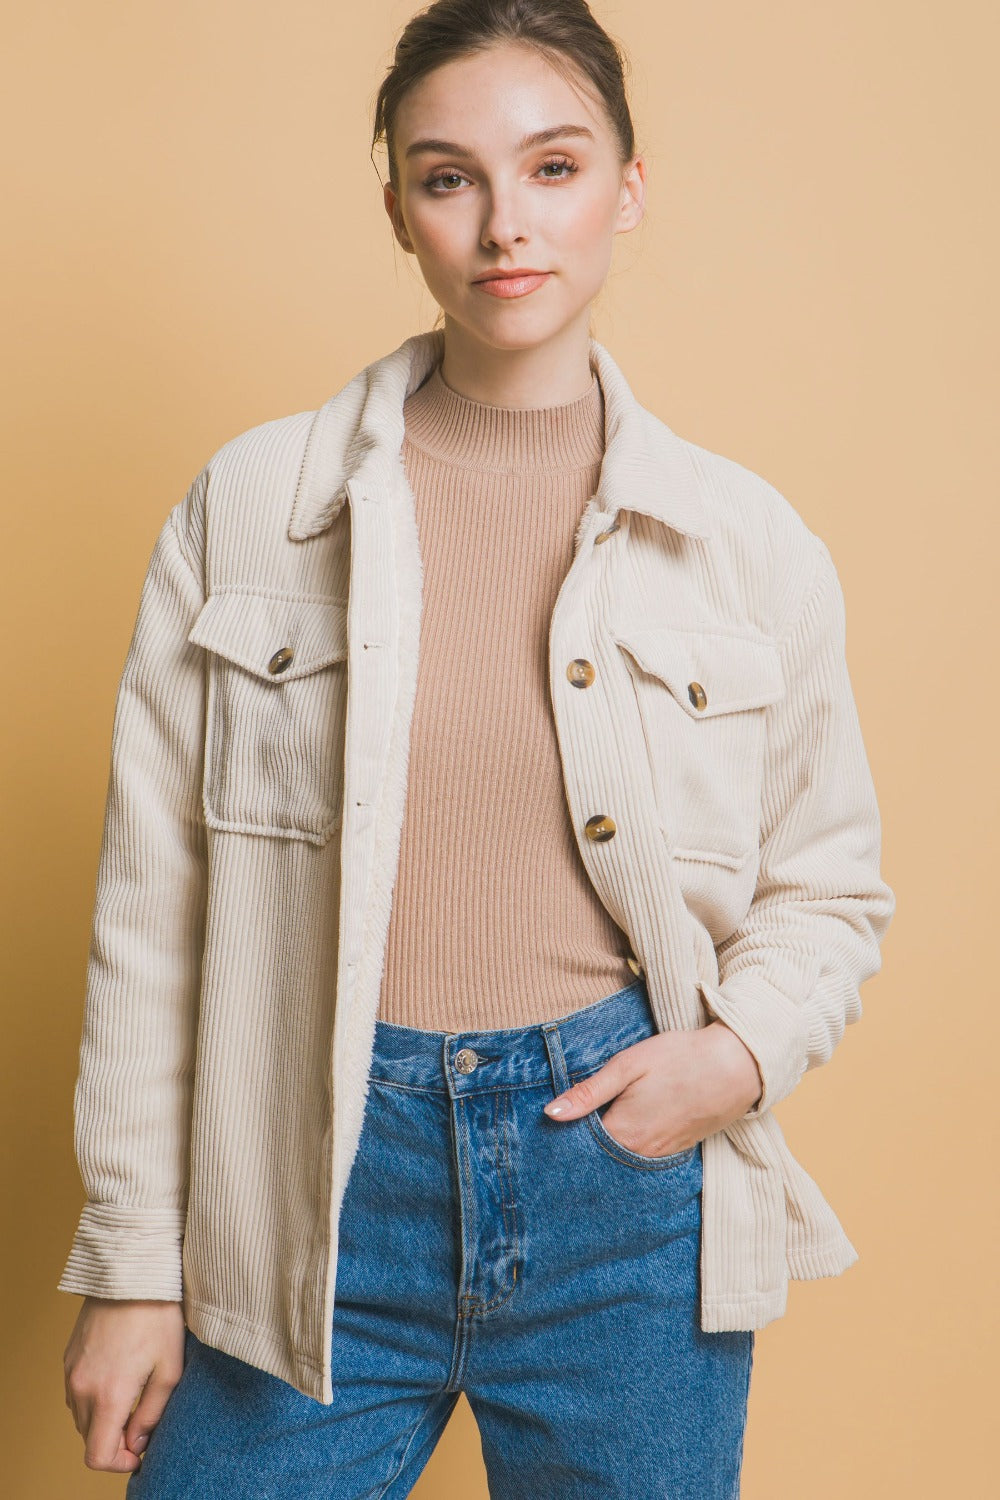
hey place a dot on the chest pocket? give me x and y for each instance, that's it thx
(275, 713)
(702, 698)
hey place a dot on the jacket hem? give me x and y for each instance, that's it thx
(730, 1314)
(831, 1258)
(727, 1314)
(255, 1345)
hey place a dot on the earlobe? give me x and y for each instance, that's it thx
(402, 238)
(629, 214)
(391, 202)
(399, 230)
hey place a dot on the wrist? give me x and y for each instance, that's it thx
(738, 1057)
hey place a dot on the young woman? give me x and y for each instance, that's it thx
(490, 845)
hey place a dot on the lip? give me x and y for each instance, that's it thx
(515, 271)
(512, 283)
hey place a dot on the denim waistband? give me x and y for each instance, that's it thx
(464, 1062)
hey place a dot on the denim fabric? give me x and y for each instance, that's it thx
(539, 1266)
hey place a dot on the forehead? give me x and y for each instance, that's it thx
(496, 96)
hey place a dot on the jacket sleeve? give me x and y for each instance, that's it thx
(132, 1101)
(790, 975)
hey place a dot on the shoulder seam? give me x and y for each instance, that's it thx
(815, 584)
(180, 548)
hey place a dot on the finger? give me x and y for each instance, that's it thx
(157, 1392)
(80, 1410)
(105, 1447)
(607, 1083)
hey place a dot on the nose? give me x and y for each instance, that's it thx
(505, 222)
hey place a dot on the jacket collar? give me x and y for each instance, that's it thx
(356, 438)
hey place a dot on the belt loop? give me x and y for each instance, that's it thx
(557, 1059)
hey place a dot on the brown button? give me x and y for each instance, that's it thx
(581, 672)
(600, 828)
(602, 536)
(280, 660)
(634, 964)
(697, 695)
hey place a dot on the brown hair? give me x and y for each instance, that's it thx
(564, 31)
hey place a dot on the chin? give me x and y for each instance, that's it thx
(512, 332)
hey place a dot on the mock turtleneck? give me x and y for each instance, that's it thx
(473, 434)
(494, 920)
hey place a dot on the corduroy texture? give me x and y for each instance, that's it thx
(494, 922)
(256, 800)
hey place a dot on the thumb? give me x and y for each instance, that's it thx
(602, 1086)
(148, 1412)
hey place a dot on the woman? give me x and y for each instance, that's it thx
(554, 902)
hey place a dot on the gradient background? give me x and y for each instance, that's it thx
(195, 242)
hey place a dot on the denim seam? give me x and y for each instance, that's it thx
(487, 1088)
(470, 1305)
(635, 1159)
(409, 1444)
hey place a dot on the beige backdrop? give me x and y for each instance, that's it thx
(195, 243)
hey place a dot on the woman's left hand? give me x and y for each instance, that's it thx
(670, 1090)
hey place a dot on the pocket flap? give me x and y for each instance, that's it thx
(734, 671)
(248, 628)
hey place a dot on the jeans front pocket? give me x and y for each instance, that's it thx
(631, 1158)
(625, 1154)
(276, 705)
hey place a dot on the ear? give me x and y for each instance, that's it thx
(633, 196)
(391, 202)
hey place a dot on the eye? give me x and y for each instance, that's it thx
(443, 177)
(450, 174)
(560, 161)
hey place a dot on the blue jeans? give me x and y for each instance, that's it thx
(539, 1266)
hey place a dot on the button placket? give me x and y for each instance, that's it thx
(581, 672)
(576, 623)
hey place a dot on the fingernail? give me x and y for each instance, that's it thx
(139, 1445)
(557, 1106)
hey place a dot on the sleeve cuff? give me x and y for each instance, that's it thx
(126, 1254)
(773, 1028)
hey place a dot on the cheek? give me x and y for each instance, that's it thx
(438, 247)
(583, 228)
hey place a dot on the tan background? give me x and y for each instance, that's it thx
(196, 243)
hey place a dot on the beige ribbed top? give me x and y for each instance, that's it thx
(494, 921)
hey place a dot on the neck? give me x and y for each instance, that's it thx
(554, 371)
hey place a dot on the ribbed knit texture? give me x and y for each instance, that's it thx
(494, 921)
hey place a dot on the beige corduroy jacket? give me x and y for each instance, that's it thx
(255, 802)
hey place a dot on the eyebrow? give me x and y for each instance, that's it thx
(536, 138)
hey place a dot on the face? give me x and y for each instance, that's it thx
(487, 197)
